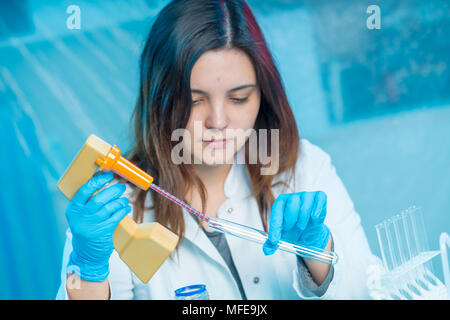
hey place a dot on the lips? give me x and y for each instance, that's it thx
(215, 143)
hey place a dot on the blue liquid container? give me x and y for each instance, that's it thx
(193, 292)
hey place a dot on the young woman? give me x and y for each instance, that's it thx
(206, 69)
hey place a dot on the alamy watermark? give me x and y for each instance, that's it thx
(74, 20)
(222, 147)
(374, 20)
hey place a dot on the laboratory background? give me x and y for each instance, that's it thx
(368, 81)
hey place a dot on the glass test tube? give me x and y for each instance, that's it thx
(388, 245)
(421, 239)
(258, 236)
(419, 227)
(383, 244)
(409, 234)
(400, 238)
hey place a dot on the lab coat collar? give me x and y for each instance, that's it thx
(197, 236)
(237, 183)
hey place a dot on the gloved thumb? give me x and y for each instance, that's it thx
(269, 247)
(276, 223)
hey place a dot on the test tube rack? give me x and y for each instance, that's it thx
(407, 271)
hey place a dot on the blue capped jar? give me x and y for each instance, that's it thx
(193, 292)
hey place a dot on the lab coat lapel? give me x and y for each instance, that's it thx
(237, 184)
(197, 236)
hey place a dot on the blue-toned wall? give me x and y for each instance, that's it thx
(352, 92)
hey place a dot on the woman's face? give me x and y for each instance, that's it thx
(226, 101)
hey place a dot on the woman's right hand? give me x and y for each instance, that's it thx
(92, 222)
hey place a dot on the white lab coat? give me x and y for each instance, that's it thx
(263, 277)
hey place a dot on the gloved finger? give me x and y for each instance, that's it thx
(105, 196)
(275, 226)
(95, 183)
(320, 211)
(110, 208)
(307, 206)
(293, 205)
(117, 216)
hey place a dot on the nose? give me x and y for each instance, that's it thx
(217, 118)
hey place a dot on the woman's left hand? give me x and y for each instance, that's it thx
(298, 218)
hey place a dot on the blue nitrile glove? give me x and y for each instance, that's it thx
(298, 218)
(92, 224)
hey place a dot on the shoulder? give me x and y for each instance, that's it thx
(312, 161)
(311, 154)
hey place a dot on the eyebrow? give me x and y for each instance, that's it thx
(245, 86)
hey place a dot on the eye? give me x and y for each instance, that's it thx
(195, 102)
(239, 100)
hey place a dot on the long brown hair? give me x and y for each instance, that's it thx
(181, 33)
